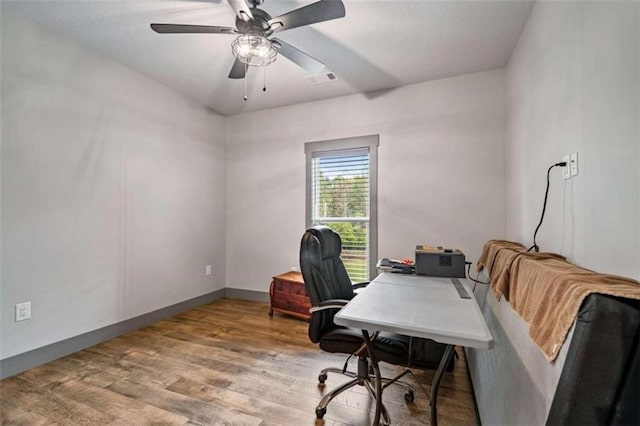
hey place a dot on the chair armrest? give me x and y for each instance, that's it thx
(329, 304)
(360, 285)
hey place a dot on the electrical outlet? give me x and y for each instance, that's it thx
(207, 270)
(23, 311)
(566, 173)
(574, 164)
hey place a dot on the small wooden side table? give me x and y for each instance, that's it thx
(289, 295)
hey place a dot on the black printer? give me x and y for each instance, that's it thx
(439, 262)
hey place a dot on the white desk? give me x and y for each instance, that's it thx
(417, 306)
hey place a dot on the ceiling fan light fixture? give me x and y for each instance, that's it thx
(254, 49)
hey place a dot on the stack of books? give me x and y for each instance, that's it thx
(398, 266)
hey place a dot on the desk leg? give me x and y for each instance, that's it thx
(446, 356)
(376, 371)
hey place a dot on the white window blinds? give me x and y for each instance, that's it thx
(341, 195)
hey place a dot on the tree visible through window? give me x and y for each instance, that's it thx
(340, 197)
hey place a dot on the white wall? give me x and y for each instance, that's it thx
(573, 85)
(112, 191)
(441, 171)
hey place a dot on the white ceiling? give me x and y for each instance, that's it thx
(379, 45)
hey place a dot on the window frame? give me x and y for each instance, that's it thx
(369, 143)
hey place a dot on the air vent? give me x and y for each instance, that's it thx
(323, 77)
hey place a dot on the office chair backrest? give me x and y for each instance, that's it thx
(324, 274)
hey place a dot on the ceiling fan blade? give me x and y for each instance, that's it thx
(189, 29)
(238, 70)
(323, 10)
(242, 9)
(298, 57)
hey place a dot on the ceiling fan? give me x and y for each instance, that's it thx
(254, 26)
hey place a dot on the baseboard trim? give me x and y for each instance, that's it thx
(24, 361)
(252, 295)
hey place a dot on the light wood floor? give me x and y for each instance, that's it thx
(223, 363)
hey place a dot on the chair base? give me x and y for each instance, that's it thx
(363, 377)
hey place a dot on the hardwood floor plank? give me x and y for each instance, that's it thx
(226, 362)
(49, 404)
(12, 414)
(254, 406)
(126, 410)
(198, 411)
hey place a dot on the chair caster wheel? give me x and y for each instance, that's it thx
(320, 412)
(322, 377)
(409, 397)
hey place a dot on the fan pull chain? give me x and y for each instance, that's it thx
(246, 68)
(264, 79)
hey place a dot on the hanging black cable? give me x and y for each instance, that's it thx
(475, 281)
(544, 206)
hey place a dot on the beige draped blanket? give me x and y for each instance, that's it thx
(546, 290)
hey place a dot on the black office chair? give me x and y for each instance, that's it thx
(329, 288)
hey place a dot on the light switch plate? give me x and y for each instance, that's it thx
(574, 164)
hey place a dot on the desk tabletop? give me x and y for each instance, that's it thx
(418, 306)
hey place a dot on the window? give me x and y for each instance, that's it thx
(342, 194)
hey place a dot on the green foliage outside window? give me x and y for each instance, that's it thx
(342, 199)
